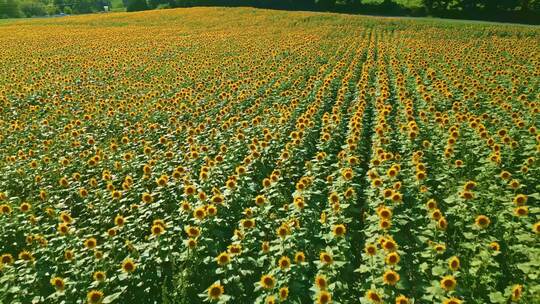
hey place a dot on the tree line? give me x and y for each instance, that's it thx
(522, 11)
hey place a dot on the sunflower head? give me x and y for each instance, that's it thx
(324, 297)
(482, 221)
(448, 283)
(390, 277)
(99, 276)
(267, 281)
(339, 230)
(215, 291)
(128, 265)
(401, 299)
(299, 257)
(326, 258)
(321, 282)
(284, 263)
(94, 296)
(517, 291)
(454, 263)
(373, 296)
(58, 283)
(283, 293)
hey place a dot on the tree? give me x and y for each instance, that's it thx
(9, 9)
(326, 4)
(33, 8)
(136, 5)
(85, 6)
(436, 5)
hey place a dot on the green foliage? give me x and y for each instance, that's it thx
(9, 9)
(33, 8)
(136, 5)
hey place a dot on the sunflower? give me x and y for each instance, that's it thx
(494, 246)
(299, 257)
(99, 276)
(385, 224)
(470, 185)
(514, 184)
(116, 194)
(6, 259)
(384, 212)
(536, 228)
(128, 265)
(390, 277)
(147, 197)
(454, 263)
(390, 245)
(265, 247)
(347, 173)
(521, 211)
(25, 207)
(26, 255)
(520, 199)
(468, 195)
(223, 259)
(191, 243)
(442, 223)
(420, 175)
(211, 210)
(5, 209)
(69, 255)
(119, 221)
(270, 300)
(234, 248)
(58, 283)
(66, 218)
(157, 230)
(431, 204)
(392, 258)
(215, 291)
(448, 283)
(98, 254)
(370, 249)
(282, 231)
(283, 293)
(452, 301)
(284, 263)
(63, 228)
(373, 296)
(321, 282)
(248, 223)
(439, 248)
(397, 197)
(517, 291)
(482, 221)
(260, 200)
(94, 296)
(324, 297)
(267, 281)
(189, 190)
(339, 230)
(401, 299)
(193, 231)
(90, 243)
(326, 258)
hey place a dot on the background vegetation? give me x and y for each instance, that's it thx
(520, 11)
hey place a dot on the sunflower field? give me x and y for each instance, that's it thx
(246, 156)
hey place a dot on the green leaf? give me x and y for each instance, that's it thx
(497, 297)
